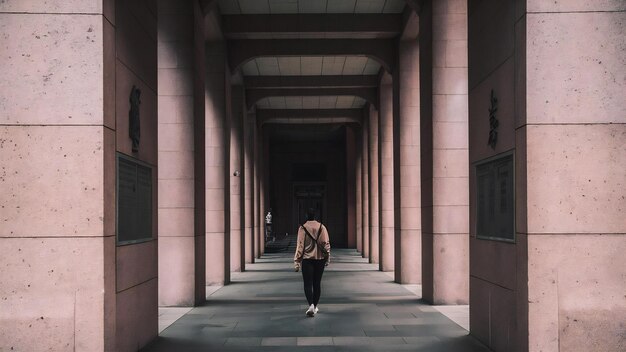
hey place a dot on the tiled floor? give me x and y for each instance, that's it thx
(361, 310)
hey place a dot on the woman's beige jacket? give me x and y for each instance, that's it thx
(306, 247)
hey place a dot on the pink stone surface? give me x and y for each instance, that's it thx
(53, 294)
(176, 164)
(137, 307)
(576, 291)
(109, 69)
(492, 315)
(491, 38)
(136, 42)
(450, 163)
(575, 6)
(374, 232)
(451, 219)
(136, 264)
(62, 166)
(410, 252)
(570, 85)
(451, 268)
(175, 137)
(450, 191)
(176, 271)
(450, 108)
(65, 7)
(494, 262)
(576, 179)
(176, 193)
(176, 222)
(175, 109)
(54, 67)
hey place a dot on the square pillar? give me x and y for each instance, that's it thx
(374, 219)
(217, 170)
(386, 172)
(559, 285)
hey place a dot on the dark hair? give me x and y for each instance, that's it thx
(310, 214)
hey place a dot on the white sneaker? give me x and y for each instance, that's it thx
(316, 310)
(311, 311)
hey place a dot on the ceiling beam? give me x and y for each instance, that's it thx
(381, 50)
(264, 26)
(348, 81)
(254, 95)
(309, 115)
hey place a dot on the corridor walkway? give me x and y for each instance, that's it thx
(361, 310)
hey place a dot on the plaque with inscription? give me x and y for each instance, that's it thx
(495, 196)
(134, 200)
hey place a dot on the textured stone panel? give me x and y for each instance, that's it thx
(54, 65)
(491, 34)
(451, 219)
(450, 191)
(137, 316)
(450, 108)
(175, 109)
(176, 222)
(52, 294)
(52, 7)
(176, 271)
(451, 268)
(136, 264)
(136, 45)
(570, 85)
(176, 193)
(494, 261)
(576, 292)
(176, 165)
(575, 5)
(576, 178)
(52, 181)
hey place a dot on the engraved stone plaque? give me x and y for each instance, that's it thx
(134, 201)
(495, 195)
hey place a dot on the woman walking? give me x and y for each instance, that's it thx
(312, 255)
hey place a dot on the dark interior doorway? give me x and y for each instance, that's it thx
(308, 169)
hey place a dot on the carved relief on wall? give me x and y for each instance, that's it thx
(134, 130)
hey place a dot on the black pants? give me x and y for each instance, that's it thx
(312, 270)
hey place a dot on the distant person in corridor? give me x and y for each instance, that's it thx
(312, 255)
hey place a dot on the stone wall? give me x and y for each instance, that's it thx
(57, 175)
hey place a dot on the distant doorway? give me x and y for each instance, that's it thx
(305, 196)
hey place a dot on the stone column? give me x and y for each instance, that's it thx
(235, 174)
(351, 186)
(258, 218)
(249, 187)
(216, 151)
(358, 196)
(386, 172)
(571, 130)
(374, 220)
(557, 70)
(408, 250)
(57, 175)
(178, 265)
(449, 244)
(365, 185)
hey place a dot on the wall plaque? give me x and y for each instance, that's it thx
(495, 195)
(134, 200)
